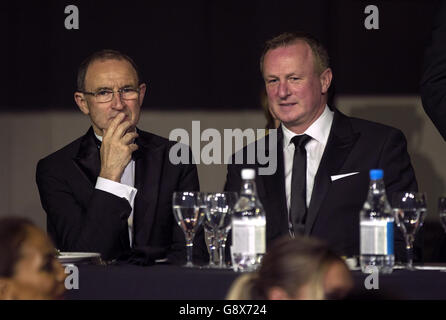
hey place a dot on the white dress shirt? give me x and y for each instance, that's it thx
(125, 189)
(319, 132)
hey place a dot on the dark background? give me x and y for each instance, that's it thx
(202, 54)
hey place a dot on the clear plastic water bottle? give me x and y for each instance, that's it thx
(376, 228)
(248, 227)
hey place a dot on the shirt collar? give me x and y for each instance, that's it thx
(98, 137)
(319, 129)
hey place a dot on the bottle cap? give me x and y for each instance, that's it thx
(248, 174)
(376, 174)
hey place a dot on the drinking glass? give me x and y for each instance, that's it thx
(219, 208)
(189, 211)
(409, 209)
(442, 211)
(222, 238)
(212, 244)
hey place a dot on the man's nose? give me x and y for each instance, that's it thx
(117, 102)
(284, 92)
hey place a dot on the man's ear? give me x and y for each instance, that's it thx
(81, 102)
(325, 79)
(142, 92)
(277, 293)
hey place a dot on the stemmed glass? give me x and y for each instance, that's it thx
(442, 211)
(212, 244)
(442, 214)
(223, 236)
(219, 208)
(409, 209)
(188, 209)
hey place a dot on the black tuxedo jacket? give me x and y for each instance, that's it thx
(354, 145)
(433, 82)
(82, 218)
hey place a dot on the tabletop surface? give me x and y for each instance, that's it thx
(168, 282)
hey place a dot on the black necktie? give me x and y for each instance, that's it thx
(298, 203)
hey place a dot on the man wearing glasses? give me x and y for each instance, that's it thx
(110, 191)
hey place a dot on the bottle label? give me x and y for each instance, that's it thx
(248, 236)
(377, 237)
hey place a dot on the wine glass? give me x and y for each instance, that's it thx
(212, 244)
(442, 211)
(409, 209)
(219, 208)
(188, 209)
(222, 237)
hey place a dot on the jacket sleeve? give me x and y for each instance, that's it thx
(233, 178)
(399, 176)
(100, 225)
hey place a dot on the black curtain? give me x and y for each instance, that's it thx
(203, 54)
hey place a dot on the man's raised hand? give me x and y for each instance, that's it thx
(117, 148)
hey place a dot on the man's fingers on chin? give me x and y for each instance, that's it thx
(123, 128)
(116, 121)
(127, 126)
(133, 147)
(130, 136)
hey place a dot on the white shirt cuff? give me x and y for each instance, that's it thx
(116, 188)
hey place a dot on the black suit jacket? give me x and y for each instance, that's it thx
(433, 82)
(354, 145)
(82, 218)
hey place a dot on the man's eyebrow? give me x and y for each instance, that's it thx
(111, 89)
(286, 76)
(128, 86)
(103, 88)
(124, 86)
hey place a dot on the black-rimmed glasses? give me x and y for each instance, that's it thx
(106, 95)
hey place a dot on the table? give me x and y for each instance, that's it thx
(163, 282)
(168, 282)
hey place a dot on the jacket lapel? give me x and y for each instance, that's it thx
(339, 145)
(273, 188)
(148, 167)
(88, 159)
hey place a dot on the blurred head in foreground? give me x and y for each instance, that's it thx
(295, 269)
(28, 265)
